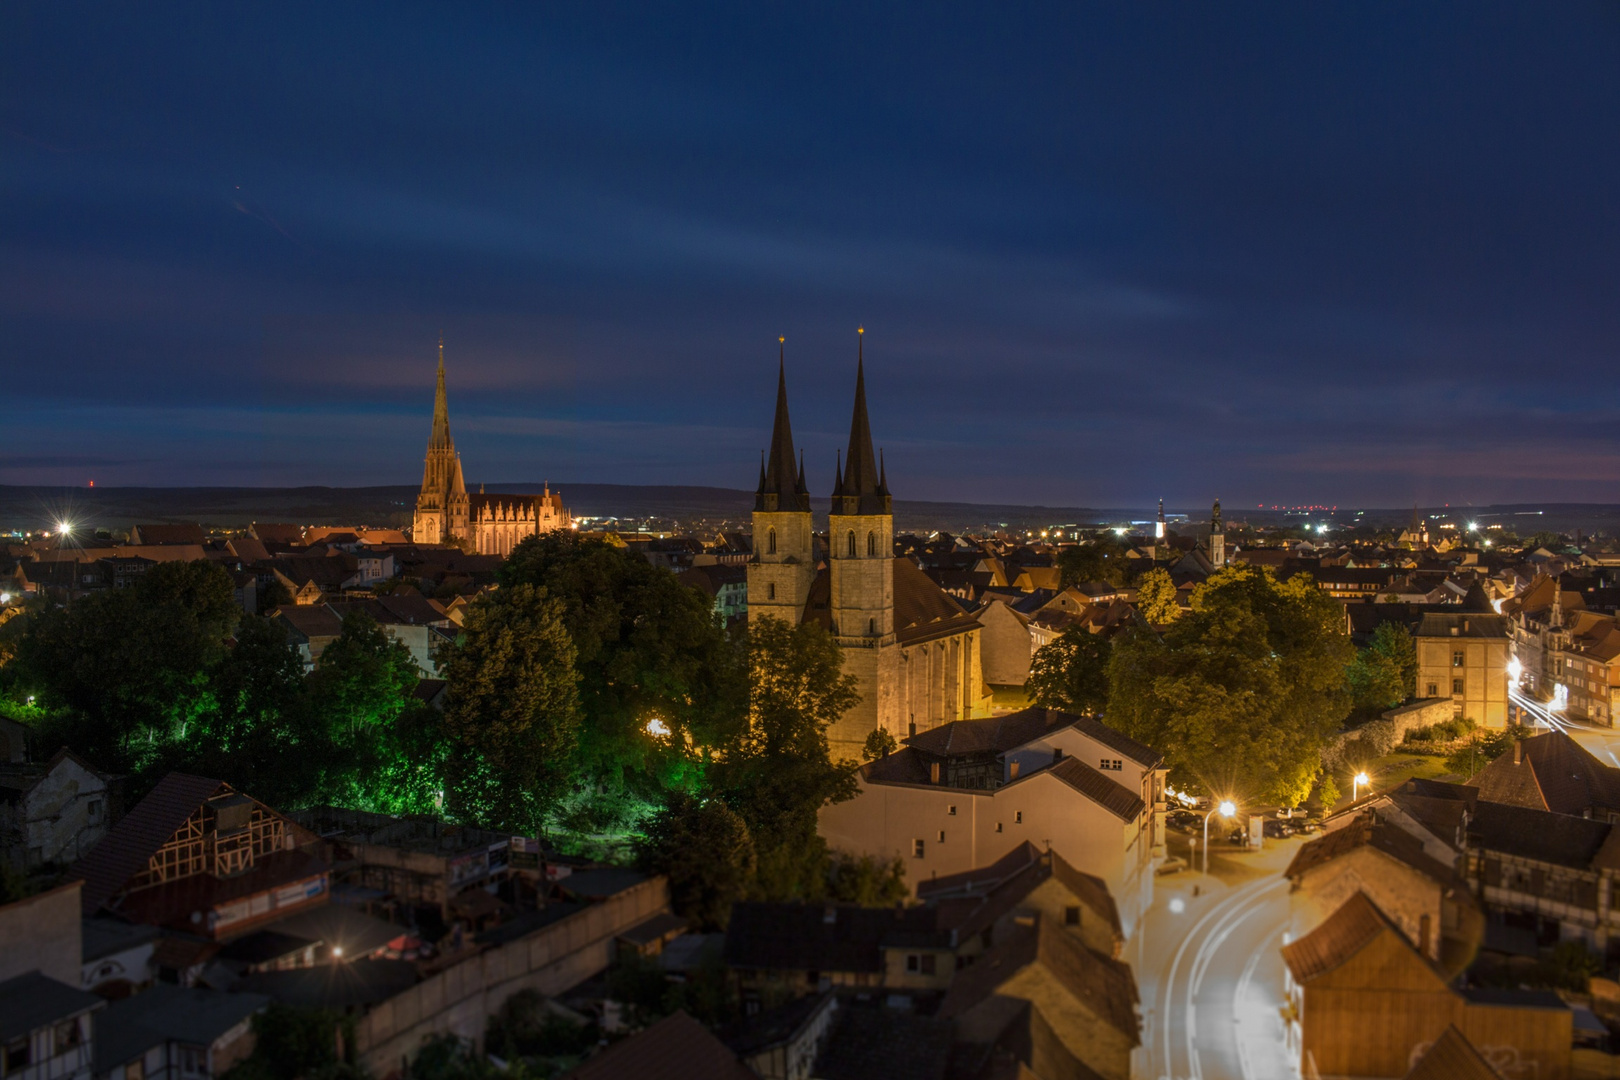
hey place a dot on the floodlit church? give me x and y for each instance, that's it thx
(913, 650)
(485, 524)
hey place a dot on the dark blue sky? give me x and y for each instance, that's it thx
(1361, 254)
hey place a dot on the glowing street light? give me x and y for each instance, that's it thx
(1355, 785)
(657, 727)
(1226, 809)
(1514, 670)
(64, 528)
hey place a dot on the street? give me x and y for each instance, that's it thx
(1211, 973)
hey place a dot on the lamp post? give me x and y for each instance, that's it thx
(1225, 809)
(1355, 785)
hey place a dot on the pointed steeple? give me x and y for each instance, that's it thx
(861, 489)
(440, 439)
(780, 485)
(838, 478)
(883, 474)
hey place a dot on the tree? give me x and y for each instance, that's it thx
(879, 743)
(1103, 559)
(1071, 672)
(777, 773)
(126, 670)
(704, 849)
(1242, 694)
(512, 709)
(865, 880)
(1383, 674)
(1156, 598)
(647, 647)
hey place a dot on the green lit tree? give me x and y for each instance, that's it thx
(1071, 672)
(511, 710)
(1156, 598)
(1242, 694)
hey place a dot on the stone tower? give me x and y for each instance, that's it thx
(442, 507)
(860, 541)
(784, 561)
(1217, 538)
(1158, 534)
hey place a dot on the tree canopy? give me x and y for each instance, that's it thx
(1241, 694)
(1156, 598)
(1383, 674)
(1103, 559)
(1071, 672)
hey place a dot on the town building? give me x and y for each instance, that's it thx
(1465, 656)
(1365, 1002)
(174, 1032)
(51, 813)
(47, 1023)
(725, 583)
(912, 649)
(966, 794)
(488, 524)
(1552, 772)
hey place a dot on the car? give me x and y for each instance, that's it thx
(1238, 836)
(1277, 830)
(1173, 864)
(1184, 819)
(1309, 825)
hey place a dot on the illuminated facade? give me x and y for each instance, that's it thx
(485, 524)
(913, 651)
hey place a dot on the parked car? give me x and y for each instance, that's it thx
(1173, 864)
(1277, 830)
(1184, 819)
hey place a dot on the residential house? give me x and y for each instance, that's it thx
(117, 956)
(1069, 1009)
(46, 1021)
(175, 1032)
(51, 813)
(199, 857)
(1465, 656)
(310, 628)
(967, 793)
(1555, 773)
(675, 1048)
(1452, 1057)
(1426, 898)
(416, 622)
(726, 584)
(1364, 1002)
(166, 535)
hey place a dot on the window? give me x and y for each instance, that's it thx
(998, 826)
(14, 1058)
(770, 542)
(851, 543)
(1456, 686)
(913, 963)
(193, 1061)
(942, 836)
(1434, 690)
(871, 626)
(1018, 817)
(95, 809)
(1111, 765)
(1071, 916)
(871, 544)
(66, 1036)
(1456, 658)
(1057, 754)
(917, 849)
(950, 811)
(770, 590)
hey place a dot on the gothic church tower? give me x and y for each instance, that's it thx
(860, 540)
(442, 507)
(1217, 538)
(784, 562)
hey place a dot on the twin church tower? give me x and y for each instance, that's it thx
(912, 649)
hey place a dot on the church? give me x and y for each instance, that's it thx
(913, 650)
(483, 524)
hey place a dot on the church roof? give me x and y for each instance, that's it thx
(781, 485)
(922, 610)
(861, 488)
(440, 439)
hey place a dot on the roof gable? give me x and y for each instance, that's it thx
(130, 844)
(1357, 947)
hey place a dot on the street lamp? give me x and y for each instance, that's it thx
(1514, 670)
(1355, 785)
(1226, 810)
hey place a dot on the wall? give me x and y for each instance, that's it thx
(1483, 673)
(1379, 737)
(43, 933)
(461, 999)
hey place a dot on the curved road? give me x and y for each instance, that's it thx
(1215, 989)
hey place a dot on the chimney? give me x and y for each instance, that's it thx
(1518, 752)
(1012, 770)
(933, 772)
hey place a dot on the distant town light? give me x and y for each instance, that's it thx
(65, 528)
(657, 727)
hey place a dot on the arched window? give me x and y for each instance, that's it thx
(871, 544)
(871, 626)
(852, 544)
(770, 542)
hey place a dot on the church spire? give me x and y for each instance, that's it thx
(440, 439)
(780, 484)
(861, 488)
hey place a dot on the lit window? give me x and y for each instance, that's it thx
(1457, 658)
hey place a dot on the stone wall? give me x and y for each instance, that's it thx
(461, 999)
(43, 932)
(1379, 737)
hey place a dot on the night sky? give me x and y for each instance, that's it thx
(1354, 255)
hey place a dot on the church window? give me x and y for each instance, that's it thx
(770, 591)
(871, 626)
(770, 542)
(852, 544)
(871, 544)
